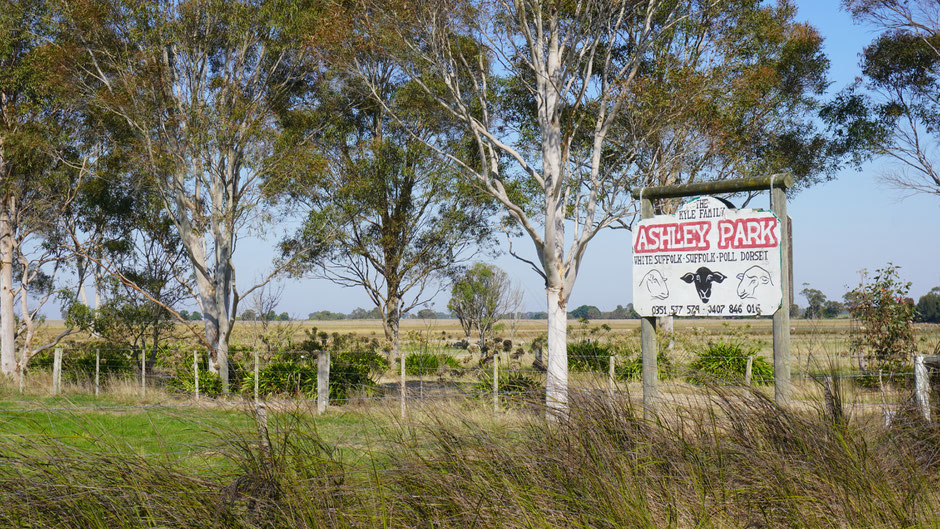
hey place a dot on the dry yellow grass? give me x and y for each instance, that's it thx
(815, 344)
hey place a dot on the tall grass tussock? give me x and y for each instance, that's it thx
(739, 461)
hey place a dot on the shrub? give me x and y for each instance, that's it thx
(80, 364)
(210, 384)
(886, 334)
(728, 362)
(298, 376)
(283, 376)
(588, 355)
(514, 385)
(632, 368)
(424, 363)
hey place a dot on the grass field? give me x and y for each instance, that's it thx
(739, 462)
(714, 457)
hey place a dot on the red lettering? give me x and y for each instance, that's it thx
(747, 233)
(672, 237)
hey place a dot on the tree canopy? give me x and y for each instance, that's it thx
(893, 110)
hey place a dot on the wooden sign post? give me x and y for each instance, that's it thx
(710, 260)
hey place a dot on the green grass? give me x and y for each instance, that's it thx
(178, 430)
(740, 463)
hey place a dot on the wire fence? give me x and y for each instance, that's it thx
(508, 378)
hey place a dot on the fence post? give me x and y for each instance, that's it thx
(922, 386)
(196, 371)
(256, 375)
(648, 343)
(778, 205)
(611, 374)
(323, 381)
(748, 370)
(97, 370)
(57, 371)
(495, 383)
(261, 416)
(143, 373)
(401, 360)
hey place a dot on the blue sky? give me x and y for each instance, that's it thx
(851, 223)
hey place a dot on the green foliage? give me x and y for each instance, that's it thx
(628, 368)
(513, 386)
(588, 355)
(893, 108)
(424, 363)
(886, 317)
(589, 312)
(815, 300)
(427, 314)
(284, 376)
(326, 315)
(78, 365)
(79, 316)
(832, 309)
(622, 313)
(360, 313)
(818, 305)
(479, 297)
(210, 384)
(291, 374)
(355, 372)
(727, 362)
(928, 306)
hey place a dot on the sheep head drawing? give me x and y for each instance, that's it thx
(703, 279)
(751, 279)
(655, 284)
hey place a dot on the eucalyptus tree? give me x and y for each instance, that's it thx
(384, 212)
(569, 104)
(479, 297)
(143, 273)
(893, 110)
(42, 163)
(200, 88)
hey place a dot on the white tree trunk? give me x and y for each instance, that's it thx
(7, 318)
(215, 315)
(556, 382)
(553, 251)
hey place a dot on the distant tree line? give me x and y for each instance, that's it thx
(591, 312)
(251, 315)
(926, 309)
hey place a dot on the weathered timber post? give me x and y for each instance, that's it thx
(97, 370)
(748, 370)
(495, 383)
(196, 372)
(611, 375)
(401, 359)
(922, 386)
(648, 343)
(143, 373)
(57, 371)
(323, 381)
(778, 204)
(261, 417)
(257, 371)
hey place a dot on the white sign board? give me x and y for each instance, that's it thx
(707, 260)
